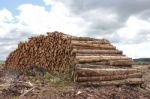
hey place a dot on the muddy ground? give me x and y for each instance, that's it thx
(38, 85)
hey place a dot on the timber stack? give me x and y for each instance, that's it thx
(93, 62)
(52, 52)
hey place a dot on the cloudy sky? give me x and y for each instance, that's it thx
(126, 23)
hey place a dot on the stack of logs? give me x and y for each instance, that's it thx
(99, 63)
(52, 52)
(92, 61)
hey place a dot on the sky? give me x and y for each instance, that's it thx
(126, 23)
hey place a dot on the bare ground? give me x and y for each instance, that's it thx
(41, 86)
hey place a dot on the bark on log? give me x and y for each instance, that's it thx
(91, 45)
(102, 66)
(121, 62)
(91, 66)
(91, 42)
(88, 39)
(87, 59)
(78, 54)
(109, 78)
(89, 51)
(102, 57)
(96, 63)
(84, 72)
(131, 81)
(102, 47)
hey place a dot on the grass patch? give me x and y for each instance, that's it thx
(57, 78)
(4, 86)
(43, 76)
(51, 78)
(15, 97)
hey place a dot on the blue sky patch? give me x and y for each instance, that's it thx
(12, 5)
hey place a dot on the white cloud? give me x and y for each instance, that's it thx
(135, 50)
(34, 19)
(5, 16)
(11, 33)
(134, 37)
(100, 15)
(57, 19)
(132, 28)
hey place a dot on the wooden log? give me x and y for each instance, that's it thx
(87, 39)
(102, 57)
(130, 81)
(91, 66)
(89, 51)
(78, 54)
(109, 78)
(84, 72)
(87, 59)
(103, 47)
(102, 65)
(96, 63)
(121, 62)
(91, 42)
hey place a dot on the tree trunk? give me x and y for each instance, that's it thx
(87, 59)
(131, 81)
(84, 72)
(109, 78)
(90, 51)
(121, 62)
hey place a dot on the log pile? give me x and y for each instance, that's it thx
(92, 61)
(53, 52)
(99, 63)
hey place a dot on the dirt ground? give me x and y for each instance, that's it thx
(21, 86)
